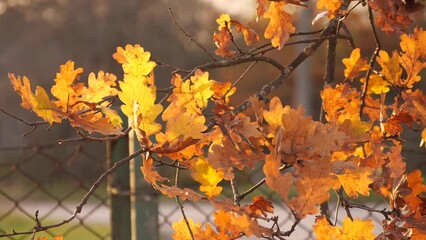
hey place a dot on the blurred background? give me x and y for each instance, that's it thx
(37, 36)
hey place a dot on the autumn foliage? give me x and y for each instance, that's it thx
(353, 151)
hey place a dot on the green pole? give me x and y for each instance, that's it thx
(143, 198)
(119, 191)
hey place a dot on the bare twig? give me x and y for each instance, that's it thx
(181, 206)
(189, 36)
(372, 60)
(85, 137)
(33, 125)
(258, 184)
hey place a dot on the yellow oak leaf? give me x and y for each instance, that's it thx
(135, 62)
(356, 181)
(355, 64)
(224, 21)
(192, 94)
(390, 67)
(113, 116)
(356, 229)
(138, 93)
(99, 88)
(181, 231)
(323, 230)
(66, 89)
(332, 6)
(413, 55)
(39, 102)
(280, 26)
(209, 177)
(376, 84)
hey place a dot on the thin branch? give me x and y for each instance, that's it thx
(174, 164)
(372, 59)
(181, 206)
(85, 137)
(293, 227)
(345, 203)
(33, 125)
(260, 183)
(189, 36)
(235, 192)
(84, 200)
(384, 212)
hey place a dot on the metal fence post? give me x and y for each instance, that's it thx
(143, 198)
(119, 191)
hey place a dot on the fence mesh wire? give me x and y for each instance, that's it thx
(53, 178)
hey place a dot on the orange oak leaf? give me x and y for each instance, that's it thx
(356, 229)
(223, 91)
(415, 183)
(233, 225)
(277, 182)
(261, 7)
(393, 126)
(415, 104)
(226, 155)
(314, 180)
(39, 102)
(183, 194)
(67, 89)
(222, 41)
(209, 177)
(355, 64)
(280, 26)
(260, 206)
(332, 6)
(340, 103)
(250, 36)
(150, 174)
(396, 163)
(274, 117)
(300, 137)
(393, 15)
(356, 181)
(413, 55)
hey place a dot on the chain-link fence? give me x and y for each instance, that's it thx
(53, 178)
